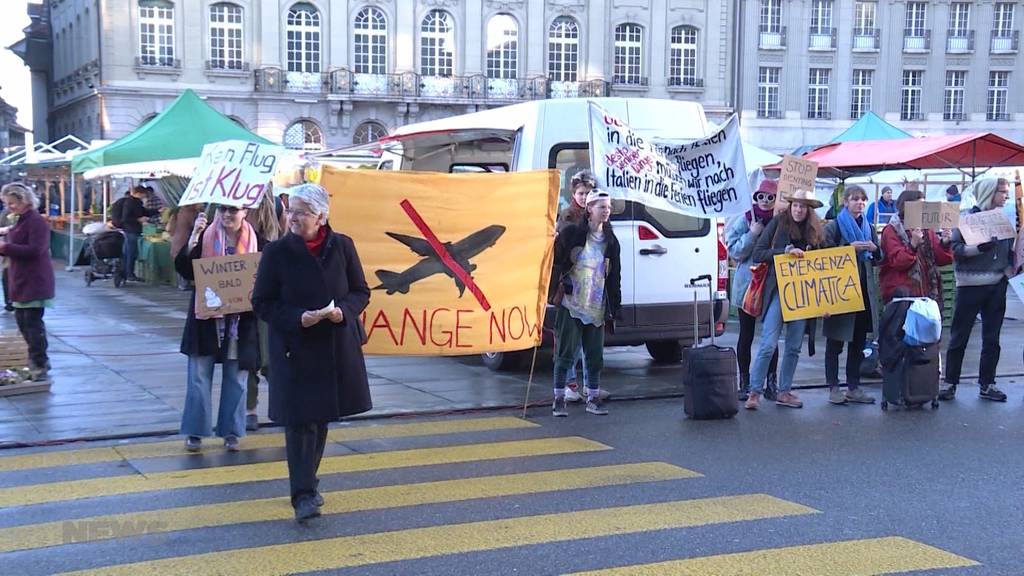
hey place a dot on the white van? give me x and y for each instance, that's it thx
(661, 251)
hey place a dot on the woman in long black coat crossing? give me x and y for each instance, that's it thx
(310, 289)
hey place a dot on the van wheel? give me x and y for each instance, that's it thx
(665, 351)
(503, 361)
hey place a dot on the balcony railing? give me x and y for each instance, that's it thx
(227, 66)
(916, 115)
(866, 39)
(1003, 43)
(917, 40)
(819, 115)
(954, 116)
(822, 39)
(998, 116)
(273, 79)
(771, 37)
(629, 82)
(157, 62)
(770, 114)
(477, 88)
(685, 82)
(959, 41)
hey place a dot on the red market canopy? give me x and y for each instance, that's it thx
(962, 151)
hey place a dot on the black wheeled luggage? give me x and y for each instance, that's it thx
(910, 374)
(710, 378)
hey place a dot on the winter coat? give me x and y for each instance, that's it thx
(900, 258)
(740, 242)
(200, 337)
(771, 242)
(317, 374)
(131, 210)
(841, 326)
(30, 271)
(567, 247)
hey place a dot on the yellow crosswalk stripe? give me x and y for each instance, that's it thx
(399, 545)
(870, 557)
(117, 485)
(344, 434)
(230, 513)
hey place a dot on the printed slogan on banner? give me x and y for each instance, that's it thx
(457, 263)
(823, 281)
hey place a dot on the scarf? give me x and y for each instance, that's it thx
(215, 245)
(925, 261)
(763, 216)
(317, 243)
(853, 232)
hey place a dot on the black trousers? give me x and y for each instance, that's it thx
(304, 446)
(746, 340)
(33, 330)
(854, 353)
(990, 301)
(7, 298)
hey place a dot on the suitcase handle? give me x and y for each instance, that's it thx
(711, 299)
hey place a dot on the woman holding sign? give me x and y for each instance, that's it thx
(792, 232)
(852, 228)
(310, 289)
(227, 339)
(912, 256)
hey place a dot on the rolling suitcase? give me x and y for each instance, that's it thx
(910, 374)
(710, 379)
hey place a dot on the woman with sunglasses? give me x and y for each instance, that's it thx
(229, 340)
(311, 291)
(740, 238)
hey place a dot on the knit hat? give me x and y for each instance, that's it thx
(768, 185)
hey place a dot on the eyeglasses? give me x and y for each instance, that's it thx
(764, 197)
(298, 213)
(229, 209)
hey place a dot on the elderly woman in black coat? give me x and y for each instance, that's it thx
(310, 289)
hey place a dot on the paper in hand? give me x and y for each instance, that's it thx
(323, 312)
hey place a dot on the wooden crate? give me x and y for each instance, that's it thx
(14, 354)
(29, 387)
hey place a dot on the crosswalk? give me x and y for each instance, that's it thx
(443, 491)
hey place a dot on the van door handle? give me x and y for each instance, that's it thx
(656, 250)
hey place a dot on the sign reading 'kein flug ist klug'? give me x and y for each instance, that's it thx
(457, 263)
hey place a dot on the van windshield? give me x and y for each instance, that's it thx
(571, 158)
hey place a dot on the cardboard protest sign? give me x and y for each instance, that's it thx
(233, 172)
(224, 284)
(981, 227)
(931, 215)
(797, 174)
(457, 263)
(823, 281)
(706, 178)
(1017, 283)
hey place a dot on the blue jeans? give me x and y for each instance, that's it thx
(771, 329)
(130, 253)
(580, 358)
(196, 419)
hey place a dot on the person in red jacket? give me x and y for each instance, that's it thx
(913, 256)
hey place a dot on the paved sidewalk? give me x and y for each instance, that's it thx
(117, 370)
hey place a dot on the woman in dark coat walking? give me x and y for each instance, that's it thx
(311, 290)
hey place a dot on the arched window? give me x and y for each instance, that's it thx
(156, 33)
(437, 45)
(682, 58)
(629, 41)
(304, 135)
(303, 37)
(225, 36)
(502, 47)
(369, 132)
(238, 121)
(563, 49)
(371, 42)
(147, 119)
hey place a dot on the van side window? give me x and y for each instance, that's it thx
(569, 160)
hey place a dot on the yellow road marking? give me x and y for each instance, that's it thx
(342, 502)
(162, 449)
(362, 550)
(870, 557)
(116, 485)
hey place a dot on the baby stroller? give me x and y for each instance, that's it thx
(103, 252)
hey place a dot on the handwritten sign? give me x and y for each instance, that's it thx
(822, 281)
(981, 227)
(233, 172)
(224, 284)
(706, 178)
(931, 215)
(797, 174)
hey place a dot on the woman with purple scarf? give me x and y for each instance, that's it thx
(740, 237)
(852, 228)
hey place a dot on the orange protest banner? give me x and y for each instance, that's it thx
(458, 263)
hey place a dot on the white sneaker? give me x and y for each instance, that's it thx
(571, 395)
